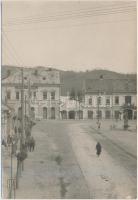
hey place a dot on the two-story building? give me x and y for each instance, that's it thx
(104, 98)
(41, 92)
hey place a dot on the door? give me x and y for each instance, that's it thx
(72, 114)
(52, 113)
(99, 114)
(90, 114)
(44, 113)
(80, 113)
(130, 114)
(117, 114)
(64, 114)
(107, 114)
(19, 113)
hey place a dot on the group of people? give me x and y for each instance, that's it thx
(11, 144)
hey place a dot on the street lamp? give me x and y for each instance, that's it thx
(98, 101)
(126, 108)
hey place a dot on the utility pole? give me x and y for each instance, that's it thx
(29, 97)
(98, 108)
(25, 113)
(22, 109)
(20, 163)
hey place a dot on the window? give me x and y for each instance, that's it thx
(116, 100)
(17, 96)
(108, 101)
(8, 95)
(128, 100)
(25, 78)
(44, 78)
(44, 95)
(53, 95)
(90, 101)
(99, 100)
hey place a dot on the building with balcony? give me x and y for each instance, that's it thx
(41, 92)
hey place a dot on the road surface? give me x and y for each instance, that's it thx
(64, 164)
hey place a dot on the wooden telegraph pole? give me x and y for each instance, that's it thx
(19, 162)
(22, 109)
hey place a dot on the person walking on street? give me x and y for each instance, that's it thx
(33, 143)
(98, 148)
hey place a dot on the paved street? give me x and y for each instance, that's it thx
(64, 163)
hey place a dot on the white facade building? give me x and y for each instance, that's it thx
(41, 92)
(107, 98)
(70, 109)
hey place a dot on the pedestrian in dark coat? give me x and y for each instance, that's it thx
(98, 148)
(32, 143)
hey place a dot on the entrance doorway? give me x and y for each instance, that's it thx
(130, 114)
(107, 114)
(44, 113)
(19, 112)
(72, 114)
(52, 113)
(64, 114)
(90, 114)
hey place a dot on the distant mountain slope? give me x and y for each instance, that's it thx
(75, 80)
(71, 79)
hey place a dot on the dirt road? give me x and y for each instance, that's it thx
(64, 165)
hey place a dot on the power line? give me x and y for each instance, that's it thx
(13, 49)
(108, 7)
(70, 16)
(11, 53)
(70, 12)
(74, 26)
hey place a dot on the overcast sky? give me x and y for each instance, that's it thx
(77, 35)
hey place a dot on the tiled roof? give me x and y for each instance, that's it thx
(37, 76)
(111, 85)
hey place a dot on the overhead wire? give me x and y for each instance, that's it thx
(109, 7)
(10, 52)
(13, 49)
(72, 25)
(70, 16)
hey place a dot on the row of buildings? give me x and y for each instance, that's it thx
(101, 98)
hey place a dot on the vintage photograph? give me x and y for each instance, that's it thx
(69, 99)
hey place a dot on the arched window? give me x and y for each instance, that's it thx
(44, 113)
(90, 101)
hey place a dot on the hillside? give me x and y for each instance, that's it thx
(71, 79)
